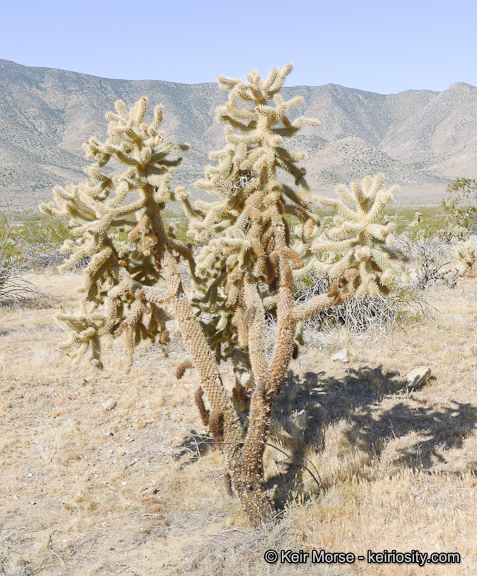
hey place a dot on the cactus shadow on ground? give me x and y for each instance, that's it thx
(194, 445)
(376, 409)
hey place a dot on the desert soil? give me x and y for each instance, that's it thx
(117, 475)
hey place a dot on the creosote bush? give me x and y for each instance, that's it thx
(247, 260)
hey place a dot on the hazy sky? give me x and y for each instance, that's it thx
(382, 46)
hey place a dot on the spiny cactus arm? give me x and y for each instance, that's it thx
(96, 269)
(387, 259)
(226, 83)
(247, 471)
(182, 196)
(327, 246)
(274, 86)
(346, 262)
(242, 120)
(131, 327)
(122, 211)
(146, 301)
(125, 305)
(70, 202)
(340, 291)
(380, 202)
(312, 264)
(90, 328)
(218, 213)
(381, 232)
(203, 359)
(255, 320)
(283, 349)
(285, 323)
(304, 235)
(343, 210)
(86, 335)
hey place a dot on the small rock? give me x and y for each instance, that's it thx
(109, 404)
(418, 377)
(341, 356)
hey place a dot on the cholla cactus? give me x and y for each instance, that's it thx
(244, 228)
(245, 268)
(467, 254)
(359, 240)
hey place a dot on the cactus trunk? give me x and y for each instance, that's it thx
(243, 455)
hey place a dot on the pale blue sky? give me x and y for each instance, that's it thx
(382, 46)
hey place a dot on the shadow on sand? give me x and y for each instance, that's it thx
(376, 407)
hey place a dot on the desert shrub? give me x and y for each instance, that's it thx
(11, 253)
(13, 261)
(461, 204)
(15, 289)
(430, 262)
(361, 313)
(40, 240)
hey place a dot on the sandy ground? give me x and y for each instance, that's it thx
(115, 476)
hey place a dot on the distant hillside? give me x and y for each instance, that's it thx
(414, 137)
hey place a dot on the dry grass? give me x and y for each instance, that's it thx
(137, 490)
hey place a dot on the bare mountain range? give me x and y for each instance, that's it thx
(419, 139)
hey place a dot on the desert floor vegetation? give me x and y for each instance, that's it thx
(117, 476)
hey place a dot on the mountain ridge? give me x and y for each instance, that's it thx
(417, 138)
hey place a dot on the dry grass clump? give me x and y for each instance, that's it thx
(118, 477)
(408, 511)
